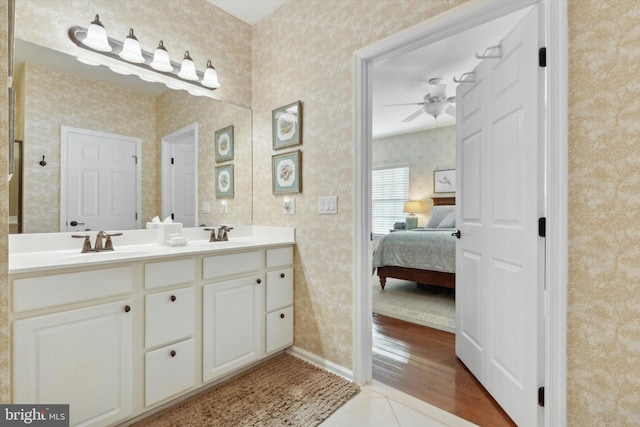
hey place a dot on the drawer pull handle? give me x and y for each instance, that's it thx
(282, 315)
(282, 275)
(173, 353)
(173, 297)
(127, 308)
(259, 281)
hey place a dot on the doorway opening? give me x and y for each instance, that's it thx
(459, 19)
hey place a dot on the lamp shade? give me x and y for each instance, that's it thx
(161, 61)
(188, 68)
(210, 79)
(413, 206)
(131, 49)
(97, 37)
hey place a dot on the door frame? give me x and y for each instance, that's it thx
(455, 20)
(64, 149)
(165, 155)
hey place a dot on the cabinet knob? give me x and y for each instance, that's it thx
(173, 297)
(127, 308)
(282, 315)
(282, 275)
(259, 281)
(173, 353)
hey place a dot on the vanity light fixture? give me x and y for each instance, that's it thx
(96, 48)
(131, 50)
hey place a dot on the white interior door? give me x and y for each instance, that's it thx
(500, 257)
(179, 176)
(99, 181)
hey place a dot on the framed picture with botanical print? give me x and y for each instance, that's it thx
(287, 172)
(224, 182)
(286, 123)
(224, 144)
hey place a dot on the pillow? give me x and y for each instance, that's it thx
(449, 221)
(438, 213)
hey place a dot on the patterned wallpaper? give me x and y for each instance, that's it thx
(305, 52)
(78, 103)
(423, 152)
(176, 110)
(604, 214)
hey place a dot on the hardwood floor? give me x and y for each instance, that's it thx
(421, 362)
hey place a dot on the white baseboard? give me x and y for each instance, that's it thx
(320, 362)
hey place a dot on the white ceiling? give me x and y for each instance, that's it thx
(249, 11)
(404, 78)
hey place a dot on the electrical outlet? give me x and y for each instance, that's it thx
(289, 206)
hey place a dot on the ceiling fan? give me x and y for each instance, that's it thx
(435, 102)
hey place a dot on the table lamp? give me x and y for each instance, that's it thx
(411, 207)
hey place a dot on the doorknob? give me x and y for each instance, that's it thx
(75, 223)
(456, 234)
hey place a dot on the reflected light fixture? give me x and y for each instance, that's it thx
(131, 49)
(127, 57)
(97, 37)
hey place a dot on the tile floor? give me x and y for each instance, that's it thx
(378, 405)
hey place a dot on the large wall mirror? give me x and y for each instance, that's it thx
(54, 90)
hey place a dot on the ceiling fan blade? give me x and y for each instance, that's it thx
(451, 110)
(398, 105)
(413, 116)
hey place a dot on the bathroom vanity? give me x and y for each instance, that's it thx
(118, 334)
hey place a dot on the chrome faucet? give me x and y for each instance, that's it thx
(98, 247)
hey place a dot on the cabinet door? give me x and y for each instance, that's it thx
(233, 325)
(81, 357)
(168, 371)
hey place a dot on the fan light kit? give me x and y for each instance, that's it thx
(128, 58)
(435, 103)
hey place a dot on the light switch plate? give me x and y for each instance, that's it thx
(206, 207)
(289, 206)
(328, 205)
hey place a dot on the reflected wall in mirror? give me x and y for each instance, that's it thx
(49, 98)
(15, 190)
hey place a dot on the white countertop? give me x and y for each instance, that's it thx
(35, 252)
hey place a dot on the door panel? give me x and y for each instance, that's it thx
(500, 277)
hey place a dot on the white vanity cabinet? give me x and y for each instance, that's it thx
(279, 299)
(169, 329)
(80, 356)
(232, 312)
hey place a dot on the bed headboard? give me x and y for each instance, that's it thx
(444, 201)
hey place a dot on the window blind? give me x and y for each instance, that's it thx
(390, 189)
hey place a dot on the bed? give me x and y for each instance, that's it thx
(424, 255)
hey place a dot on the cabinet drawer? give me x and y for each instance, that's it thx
(280, 257)
(279, 288)
(169, 273)
(169, 371)
(169, 316)
(50, 291)
(227, 265)
(279, 329)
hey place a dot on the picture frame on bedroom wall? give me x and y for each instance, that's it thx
(444, 181)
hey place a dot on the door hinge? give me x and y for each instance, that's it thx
(542, 57)
(172, 216)
(172, 160)
(542, 227)
(541, 396)
(136, 216)
(135, 159)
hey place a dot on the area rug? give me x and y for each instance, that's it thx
(284, 391)
(431, 306)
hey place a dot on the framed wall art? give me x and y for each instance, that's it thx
(287, 172)
(224, 182)
(444, 181)
(286, 123)
(224, 144)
